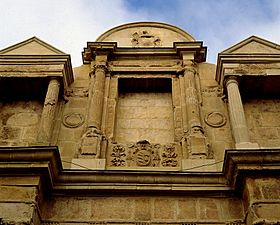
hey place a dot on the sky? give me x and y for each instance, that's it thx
(69, 24)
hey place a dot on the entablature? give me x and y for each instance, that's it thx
(252, 57)
(191, 50)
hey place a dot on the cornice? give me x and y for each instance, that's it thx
(46, 163)
(178, 50)
(18, 63)
(224, 60)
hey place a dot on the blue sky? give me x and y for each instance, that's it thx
(69, 24)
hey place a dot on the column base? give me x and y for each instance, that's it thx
(91, 164)
(247, 145)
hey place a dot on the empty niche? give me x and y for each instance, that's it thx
(144, 110)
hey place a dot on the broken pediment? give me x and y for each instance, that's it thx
(255, 45)
(31, 46)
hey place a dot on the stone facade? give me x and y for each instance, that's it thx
(144, 132)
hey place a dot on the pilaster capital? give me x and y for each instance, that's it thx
(98, 67)
(231, 79)
(188, 66)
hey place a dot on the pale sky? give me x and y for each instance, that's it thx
(69, 24)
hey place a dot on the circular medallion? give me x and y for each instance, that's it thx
(73, 120)
(143, 158)
(215, 119)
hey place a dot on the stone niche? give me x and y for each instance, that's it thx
(20, 111)
(144, 111)
(144, 126)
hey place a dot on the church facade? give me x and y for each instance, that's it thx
(145, 132)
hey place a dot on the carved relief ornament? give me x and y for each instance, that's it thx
(145, 38)
(144, 154)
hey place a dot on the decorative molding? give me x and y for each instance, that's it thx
(215, 91)
(73, 120)
(118, 156)
(215, 119)
(91, 142)
(169, 156)
(76, 92)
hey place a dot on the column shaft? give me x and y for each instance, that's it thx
(236, 111)
(193, 113)
(97, 98)
(48, 113)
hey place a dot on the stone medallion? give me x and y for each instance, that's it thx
(215, 119)
(73, 120)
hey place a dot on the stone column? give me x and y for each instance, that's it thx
(92, 138)
(236, 113)
(196, 141)
(48, 113)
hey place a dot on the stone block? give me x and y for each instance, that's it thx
(268, 212)
(208, 209)
(113, 208)
(187, 209)
(142, 209)
(232, 209)
(69, 209)
(17, 194)
(17, 212)
(84, 164)
(164, 209)
(199, 165)
(271, 189)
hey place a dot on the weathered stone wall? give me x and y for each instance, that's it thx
(19, 122)
(19, 200)
(262, 200)
(263, 119)
(124, 210)
(145, 116)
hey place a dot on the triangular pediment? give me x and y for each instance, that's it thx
(253, 45)
(31, 46)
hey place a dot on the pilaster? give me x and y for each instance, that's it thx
(195, 138)
(91, 142)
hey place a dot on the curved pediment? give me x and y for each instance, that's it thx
(145, 34)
